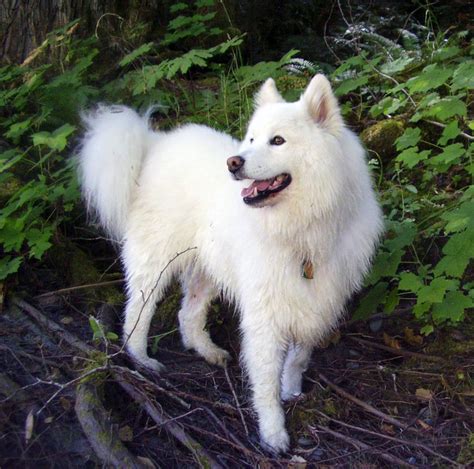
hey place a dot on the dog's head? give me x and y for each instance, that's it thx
(289, 147)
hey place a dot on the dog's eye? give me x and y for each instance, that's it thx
(277, 140)
(251, 140)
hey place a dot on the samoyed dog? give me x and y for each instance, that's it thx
(283, 224)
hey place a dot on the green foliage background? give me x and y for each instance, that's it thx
(413, 104)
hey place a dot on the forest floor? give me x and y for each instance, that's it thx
(377, 395)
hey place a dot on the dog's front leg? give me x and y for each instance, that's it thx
(263, 355)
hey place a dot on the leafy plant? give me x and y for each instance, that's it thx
(426, 191)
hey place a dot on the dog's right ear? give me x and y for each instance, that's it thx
(268, 94)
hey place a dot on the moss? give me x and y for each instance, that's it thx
(466, 455)
(380, 137)
(9, 187)
(167, 311)
(79, 269)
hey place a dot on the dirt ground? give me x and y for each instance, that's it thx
(377, 395)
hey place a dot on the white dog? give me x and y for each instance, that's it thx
(285, 228)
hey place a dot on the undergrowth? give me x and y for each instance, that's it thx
(195, 73)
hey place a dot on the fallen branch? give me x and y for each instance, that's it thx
(362, 404)
(237, 403)
(52, 326)
(414, 444)
(102, 435)
(396, 351)
(161, 419)
(81, 287)
(362, 446)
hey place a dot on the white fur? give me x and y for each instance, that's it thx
(169, 193)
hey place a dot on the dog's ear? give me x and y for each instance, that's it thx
(322, 105)
(268, 94)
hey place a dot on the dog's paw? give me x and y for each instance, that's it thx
(276, 442)
(290, 395)
(151, 364)
(216, 356)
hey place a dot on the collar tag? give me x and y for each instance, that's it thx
(307, 270)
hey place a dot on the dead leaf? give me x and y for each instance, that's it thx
(67, 320)
(48, 420)
(29, 425)
(424, 394)
(424, 425)
(65, 403)
(412, 338)
(126, 433)
(391, 341)
(389, 429)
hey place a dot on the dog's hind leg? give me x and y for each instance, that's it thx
(198, 293)
(296, 363)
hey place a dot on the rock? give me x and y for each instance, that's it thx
(380, 138)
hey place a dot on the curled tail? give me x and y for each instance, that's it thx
(110, 160)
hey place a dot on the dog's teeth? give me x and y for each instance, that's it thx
(255, 192)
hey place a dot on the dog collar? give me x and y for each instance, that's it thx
(307, 270)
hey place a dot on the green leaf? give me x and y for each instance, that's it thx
(460, 217)
(450, 131)
(409, 138)
(458, 251)
(463, 77)
(411, 156)
(446, 108)
(129, 58)
(410, 282)
(38, 241)
(17, 129)
(452, 308)
(369, 303)
(434, 292)
(427, 330)
(396, 66)
(178, 7)
(432, 77)
(350, 84)
(9, 158)
(450, 155)
(8, 266)
(56, 140)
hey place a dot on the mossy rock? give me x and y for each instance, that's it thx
(380, 137)
(78, 268)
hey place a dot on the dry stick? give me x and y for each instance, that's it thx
(236, 400)
(172, 427)
(52, 326)
(395, 351)
(362, 404)
(391, 438)
(360, 445)
(202, 457)
(102, 435)
(81, 287)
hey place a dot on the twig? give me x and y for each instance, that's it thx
(160, 418)
(236, 400)
(81, 287)
(362, 446)
(396, 351)
(391, 438)
(102, 435)
(440, 124)
(362, 404)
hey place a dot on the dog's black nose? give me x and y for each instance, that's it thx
(234, 163)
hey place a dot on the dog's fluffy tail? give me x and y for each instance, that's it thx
(110, 160)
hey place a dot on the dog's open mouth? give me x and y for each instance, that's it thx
(258, 191)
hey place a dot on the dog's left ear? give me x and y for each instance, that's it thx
(322, 105)
(268, 94)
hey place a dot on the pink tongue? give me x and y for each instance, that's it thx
(260, 185)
